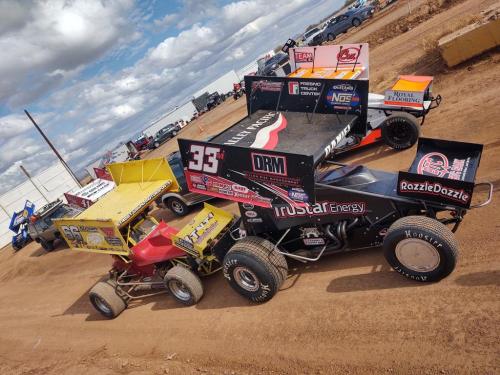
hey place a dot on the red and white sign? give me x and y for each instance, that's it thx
(89, 194)
(302, 57)
(103, 174)
(347, 55)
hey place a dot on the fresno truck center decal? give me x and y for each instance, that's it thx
(321, 208)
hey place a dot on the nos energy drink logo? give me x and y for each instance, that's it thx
(343, 96)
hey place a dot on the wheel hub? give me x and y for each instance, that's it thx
(179, 290)
(417, 255)
(246, 279)
(177, 207)
(101, 305)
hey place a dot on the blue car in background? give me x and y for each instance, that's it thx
(340, 24)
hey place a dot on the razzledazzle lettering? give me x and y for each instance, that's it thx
(434, 188)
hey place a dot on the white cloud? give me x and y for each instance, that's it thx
(14, 124)
(93, 114)
(59, 37)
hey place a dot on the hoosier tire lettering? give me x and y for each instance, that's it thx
(421, 248)
(254, 270)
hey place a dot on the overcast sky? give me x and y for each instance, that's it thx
(94, 73)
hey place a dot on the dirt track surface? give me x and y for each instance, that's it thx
(348, 314)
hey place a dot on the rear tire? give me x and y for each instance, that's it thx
(400, 130)
(48, 246)
(421, 248)
(356, 22)
(104, 298)
(330, 37)
(156, 145)
(177, 206)
(184, 285)
(254, 269)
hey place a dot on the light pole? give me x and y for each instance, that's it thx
(65, 165)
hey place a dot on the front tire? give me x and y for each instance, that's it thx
(104, 298)
(177, 206)
(156, 145)
(48, 246)
(356, 22)
(184, 285)
(421, 248)
(254, 269)
(400, 130)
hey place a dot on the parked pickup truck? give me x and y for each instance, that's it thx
(179, 202)
(42, 229)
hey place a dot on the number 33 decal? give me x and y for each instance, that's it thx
(204, 158)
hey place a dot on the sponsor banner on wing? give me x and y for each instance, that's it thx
(264, 131)
(347, 55)
(404, 99)
(305, 88)
(222, 188)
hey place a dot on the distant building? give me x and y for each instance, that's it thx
(221, 85)
(44, 187)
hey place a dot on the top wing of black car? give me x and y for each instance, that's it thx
(269, 157)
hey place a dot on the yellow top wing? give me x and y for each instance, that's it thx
(138, 184)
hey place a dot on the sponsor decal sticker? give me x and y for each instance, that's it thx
(252, 128)
(320, 209)
(348, 55)
(269, 164)
(302, 57)
(343, 96)
(254, 220)
(437, 164)
(304, 88)
(434, 188)
(293, 88)
(298, 194)
(251, 214)
(267, 86)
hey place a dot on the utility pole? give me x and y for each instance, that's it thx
(33, 183)
(65, 165)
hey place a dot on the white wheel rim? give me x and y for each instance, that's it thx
(417, 255)
(179, 290)
(101, 305)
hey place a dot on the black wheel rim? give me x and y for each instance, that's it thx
(177, 207)
(400, 132)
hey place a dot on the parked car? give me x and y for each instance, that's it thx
(310, 37)
(41, 228)
(271, 66)
(164, 135)
(340, 24)
(180, 203)
(214, 100)
(141, 143)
